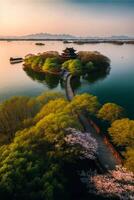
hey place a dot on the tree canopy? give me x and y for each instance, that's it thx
(48, 148)
(85, 102)
(51, 64)
(14, 112)
(86, 62)
(129, 156)
(122, 132)
(34, 165)
(74, 66)
(111, 112)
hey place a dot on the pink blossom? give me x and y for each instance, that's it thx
(117, 183)
(87, 143)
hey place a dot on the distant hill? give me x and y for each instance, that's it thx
(49, 36)
(64, 37)
(41, 36)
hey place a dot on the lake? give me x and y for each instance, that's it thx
(117, 86)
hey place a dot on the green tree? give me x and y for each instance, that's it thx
(122, 132)
(51, 64)
(28, 60)
(101, 62)
(53, 106)
(129, 156)
(37, 63)
(45, 97)
(84, 102)
(111, 112)
(54, 125)
(14, 111)
(89, 67)
(74, 66)
(28, 170)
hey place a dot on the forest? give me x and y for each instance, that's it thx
(45, 153)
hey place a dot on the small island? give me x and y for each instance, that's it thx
(76, 63)
(39, 44)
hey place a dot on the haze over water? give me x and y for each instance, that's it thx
(78, 17)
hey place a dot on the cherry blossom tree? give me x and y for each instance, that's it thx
(88, 145)
(118, 183)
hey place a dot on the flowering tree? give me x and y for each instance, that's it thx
(88, 145)
(118, 183)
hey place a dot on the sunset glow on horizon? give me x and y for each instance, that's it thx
(83, 18)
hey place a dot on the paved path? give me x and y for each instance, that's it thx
(105, 155)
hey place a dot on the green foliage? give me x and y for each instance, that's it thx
(34, 62)
(122, 132)
(48, 96)
(29, 60)
(14, 112)
(56, 123)
(74, 66)
(85, 102)
(86, 63)
(51, 64)
(38, 164)
(99, 61)
(28, 170)
(54, 106)
(37, 63)
(129, 162)
(89, 67)
(32, 167)
(52, 80)
(111, 112)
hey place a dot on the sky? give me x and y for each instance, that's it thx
(76, 17)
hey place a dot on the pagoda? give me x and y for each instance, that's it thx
(69, 53)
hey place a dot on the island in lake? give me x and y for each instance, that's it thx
(81, 63)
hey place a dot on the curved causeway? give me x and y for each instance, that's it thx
(106, 156)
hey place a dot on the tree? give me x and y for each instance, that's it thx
(101, 62)
(28, 170)
(74, 66)
(117, 184)
(45, 97)
(89, 67)
(54, 125)
(37, 63)
(122, 132)
(51, 64)
(84, 102)
(53, 106)
(129, 159)
(110, 112)
(14, 112)
(88, 145)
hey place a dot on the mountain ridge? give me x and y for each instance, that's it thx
(64, 36)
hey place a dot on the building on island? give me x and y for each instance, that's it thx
(69, 53)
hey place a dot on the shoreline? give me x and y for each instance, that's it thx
(75, 41)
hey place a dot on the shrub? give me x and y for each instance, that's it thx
(122, 132)
(74, 66)
(111, 112)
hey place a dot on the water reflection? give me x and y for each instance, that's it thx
(50, 80)
(94, 77)
(91, 78)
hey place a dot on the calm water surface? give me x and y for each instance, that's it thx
(117, 87)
